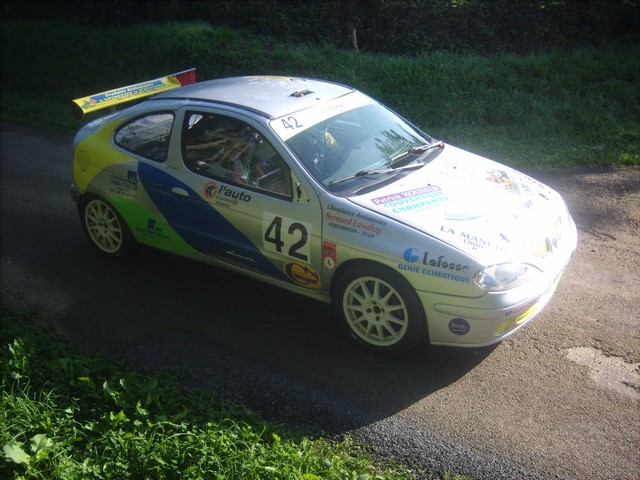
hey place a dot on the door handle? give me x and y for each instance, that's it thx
(180, 191)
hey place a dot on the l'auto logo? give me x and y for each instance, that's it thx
(210, 189)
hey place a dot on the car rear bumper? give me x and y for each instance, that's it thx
(75, 194)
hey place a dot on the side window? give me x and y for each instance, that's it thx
(228, 149)
(147, 136)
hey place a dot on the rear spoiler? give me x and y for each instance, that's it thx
(114, 97)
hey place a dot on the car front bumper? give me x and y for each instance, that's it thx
(480, 322)
(469, 326)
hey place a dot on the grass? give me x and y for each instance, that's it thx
(559, 110)
(68, 415)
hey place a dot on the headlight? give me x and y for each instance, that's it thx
(504, 276)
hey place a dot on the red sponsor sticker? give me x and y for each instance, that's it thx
(406, 194)
(329, 256)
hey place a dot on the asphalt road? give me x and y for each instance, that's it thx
(558, 400)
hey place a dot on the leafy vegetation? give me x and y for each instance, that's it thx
(395, 27)
(558, 110)
(66, 415)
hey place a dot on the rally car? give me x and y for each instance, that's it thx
(318, 188)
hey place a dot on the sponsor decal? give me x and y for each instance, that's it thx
(329, 255)
(125, 186)
(224, 195)
(474, 241)
(302, 275)
(124, 93)
(353, 222)
(527, 315)
(540, 248)
(244, 258)
(517, 316)
(406, 194)
(459, 326)
(504, 327)
(439, 267)
(119, 95)
(210, 189)
(413, 200)
(521, 308)
(530, 185)
(152, 230)
(151, 129)
(501, 177)
(412, 255)
(460, 216)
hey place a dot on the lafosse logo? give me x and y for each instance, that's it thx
(412, 255)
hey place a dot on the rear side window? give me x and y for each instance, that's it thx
(147, 136)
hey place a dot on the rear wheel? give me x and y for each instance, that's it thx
(105, 228)
(379, 309)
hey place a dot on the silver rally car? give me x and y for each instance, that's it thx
(318, 188)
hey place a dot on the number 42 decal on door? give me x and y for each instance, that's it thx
(286, 236)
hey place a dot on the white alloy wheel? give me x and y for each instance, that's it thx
(105, 228)
(375, 311)
(379, 309)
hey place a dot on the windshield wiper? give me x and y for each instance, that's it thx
(394, 160)
(413, 150)
(363, 173)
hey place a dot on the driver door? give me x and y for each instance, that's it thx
(261, 218)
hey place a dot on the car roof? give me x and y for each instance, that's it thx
(269, 96)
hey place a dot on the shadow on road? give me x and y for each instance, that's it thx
(278, 352)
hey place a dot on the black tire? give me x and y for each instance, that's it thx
(379, 309)
(105, 228)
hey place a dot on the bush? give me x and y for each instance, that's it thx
(398, 27)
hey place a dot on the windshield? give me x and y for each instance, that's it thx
(369, 139)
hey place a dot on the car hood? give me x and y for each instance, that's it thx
(488, 210)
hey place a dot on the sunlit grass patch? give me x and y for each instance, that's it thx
(76, 416)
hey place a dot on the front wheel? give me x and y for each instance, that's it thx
(105, 228)
(379, 309)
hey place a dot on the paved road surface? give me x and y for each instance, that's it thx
(556, 400)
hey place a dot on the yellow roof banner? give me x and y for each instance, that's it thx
(98, 101)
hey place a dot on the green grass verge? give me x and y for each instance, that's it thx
(68, 415)
(559, 110)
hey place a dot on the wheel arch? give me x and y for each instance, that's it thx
(128, 240)
(345, 267)
(364, 263)
(385, 273)
(86, 197)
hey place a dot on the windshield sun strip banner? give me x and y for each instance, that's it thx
(291, 124)
(110, 98)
